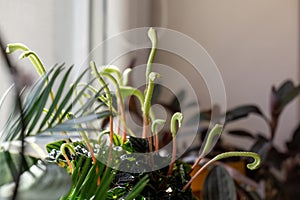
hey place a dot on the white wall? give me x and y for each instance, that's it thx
(255, 44)
(124, 15)
(56, 30)
(31, 23)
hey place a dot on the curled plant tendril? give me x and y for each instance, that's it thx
(252, 166)
(128, 91)
(125, 76)
(67, 146)
(65, 155)
(216, 131)
(155, 123)
(110, 69)
(177, 117)
(154, 130)
(33, 57)
(153, 38)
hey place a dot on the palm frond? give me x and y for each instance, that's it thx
(59, 109)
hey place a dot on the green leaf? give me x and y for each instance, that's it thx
(89, 186)
(42, 100)
(79, 177)
(56, 99)
(219, 185)
(116, 192)
(138, 188)
(65, 101)
(105, 184)
(74, 124)
(129, 91)
(117, 139)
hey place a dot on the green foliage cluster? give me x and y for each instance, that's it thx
(74, 169)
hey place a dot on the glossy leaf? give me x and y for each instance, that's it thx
(262, 146)
(241, 133)
(289, 97)
(282, 96)
(284, 89)
(219, 185)
(293, 144)
(242, 112)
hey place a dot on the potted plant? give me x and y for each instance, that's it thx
(279, 170)
(112, 165)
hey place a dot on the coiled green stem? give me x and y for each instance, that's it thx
(252, 166)
(177, 117)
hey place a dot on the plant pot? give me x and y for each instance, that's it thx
(197, 184)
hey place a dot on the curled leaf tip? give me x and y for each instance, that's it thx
(152, 35)
(256, 163)
(252, 166)
(126, 75)
(14, 47)
(177, 117)
(68, 146)
(157, 122)
(8, 49)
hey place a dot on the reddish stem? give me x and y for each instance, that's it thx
(197, 161)
(171, 166)
(156, 142)
(111, 132)
(145, 126)
(69, 163)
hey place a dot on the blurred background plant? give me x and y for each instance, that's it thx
(278, 178)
